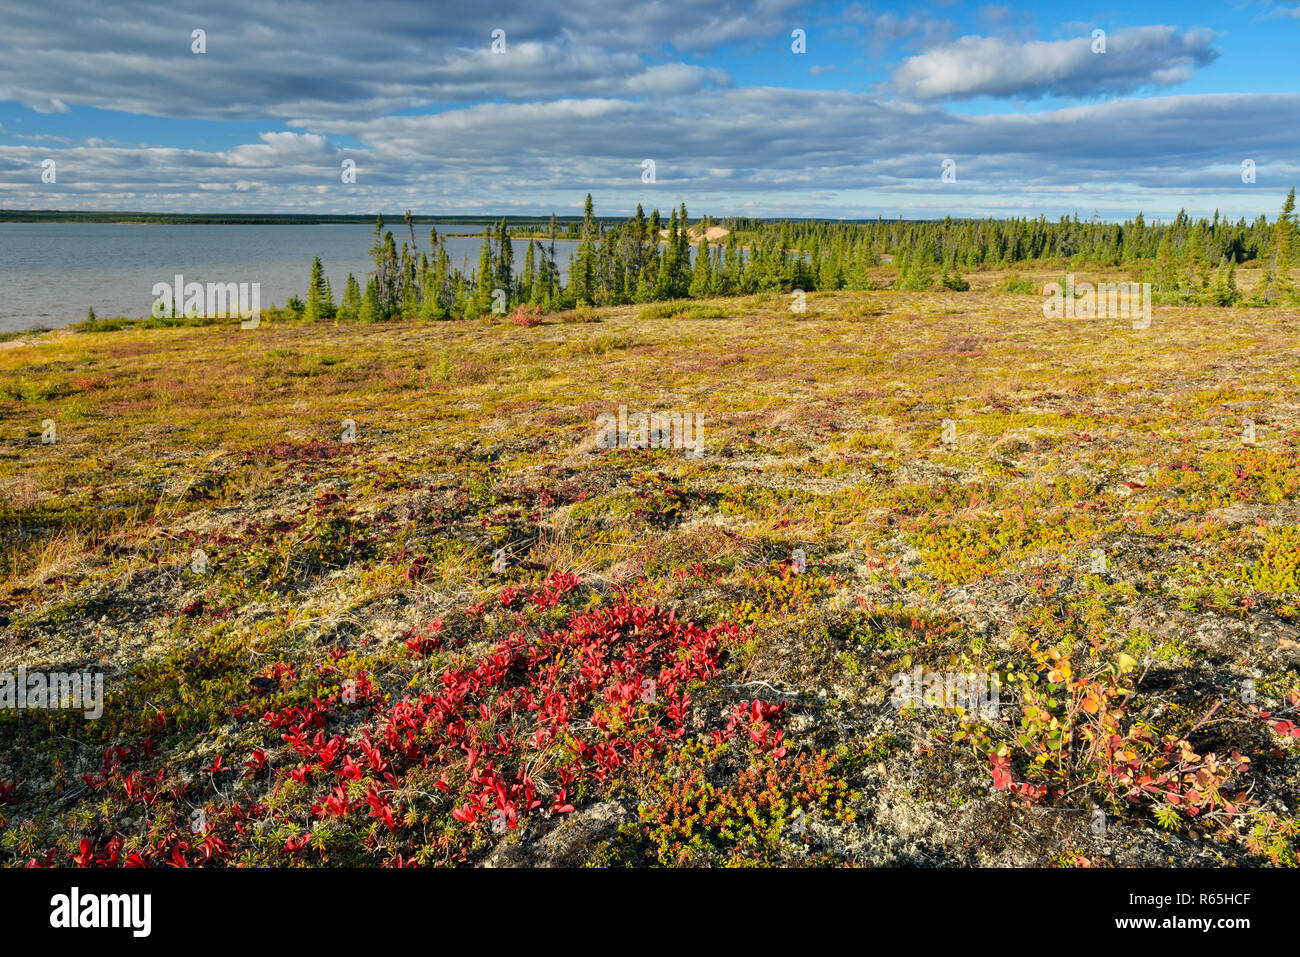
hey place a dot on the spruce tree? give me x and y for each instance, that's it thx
(682, 272)
(351, 305)
(668, 265)
(1282, 254)
(371, 308)
(639, 236)
(431, 299)
(917, 273)
(1166, 270)
(539, 288)
(951, 278)
(318, 305)
(1195, 265)
(389, 277)
(483, 289)
(530, 269)
(702, 274)
(1224, 292)
(582, 273)
(505, 259)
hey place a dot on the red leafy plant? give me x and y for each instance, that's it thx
(527, 316)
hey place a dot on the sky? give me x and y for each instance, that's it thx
(773, 108)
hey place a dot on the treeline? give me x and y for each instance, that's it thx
(642, 259)
(645, 259)
(1184, 260)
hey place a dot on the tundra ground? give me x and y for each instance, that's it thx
(310, 660)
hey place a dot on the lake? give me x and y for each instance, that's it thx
(52, 273)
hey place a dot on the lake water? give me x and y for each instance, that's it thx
(52, 273)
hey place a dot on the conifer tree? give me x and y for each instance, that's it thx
(1282, 253)
(582, 274)
(482, 303)
(505, 259)
(917, 273)
(319, 305)
(638, 238)
(702, 274)
(390, 278)
(1224, 291)
(371, 308)
(431, 306)
(1166, 271)
(530, 269)
(682, 272)
(668, 265)
(951, 278)
(1194, 262)
(350, 308)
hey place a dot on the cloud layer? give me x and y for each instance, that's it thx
(585, 91)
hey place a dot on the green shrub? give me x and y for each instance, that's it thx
(1021, 285)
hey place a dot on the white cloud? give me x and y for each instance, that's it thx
(44, 105)
(992, 66)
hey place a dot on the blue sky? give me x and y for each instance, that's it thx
(1032, 115)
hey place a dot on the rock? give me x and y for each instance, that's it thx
(566, 843)
(1235, 515)
(1282, 647)
(1011, 444)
